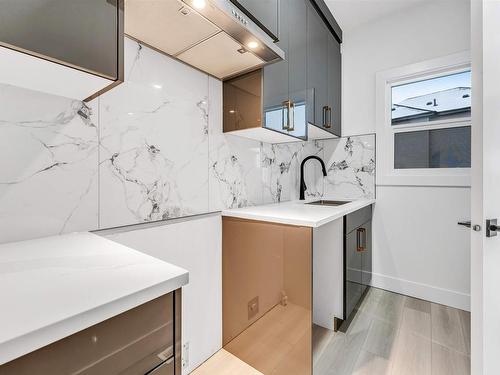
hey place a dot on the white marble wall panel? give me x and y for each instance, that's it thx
(154, 141)
(48, 164)
(235, 176)
(351, 167)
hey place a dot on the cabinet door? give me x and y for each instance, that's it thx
(367, 256)
(264, 12)
(353, 274)
(334, 86)
(83, 34)
(275, 84)
(297, 62)
(317, 72)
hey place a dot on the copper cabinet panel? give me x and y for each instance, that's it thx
(271, 263)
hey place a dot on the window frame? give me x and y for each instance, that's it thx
(386, 173)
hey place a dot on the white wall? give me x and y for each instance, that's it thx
(418, 248)
(195, 245)
(435, 29)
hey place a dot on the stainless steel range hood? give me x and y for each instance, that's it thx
(211, 35)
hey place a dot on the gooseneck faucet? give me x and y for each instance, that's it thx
(303, 186)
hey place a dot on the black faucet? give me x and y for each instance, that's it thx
(303, 186)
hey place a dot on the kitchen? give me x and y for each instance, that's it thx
(229, 162)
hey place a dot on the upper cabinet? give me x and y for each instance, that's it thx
(71, 48)
(263, 12)
(323, 78)
(299, 97)
(285, 83)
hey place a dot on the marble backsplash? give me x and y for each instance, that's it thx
(150, 149)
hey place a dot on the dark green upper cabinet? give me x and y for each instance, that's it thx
(285, 82)
(323, 75)
(263, 12)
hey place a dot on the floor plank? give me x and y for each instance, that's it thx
(446, 361)
(412, 354)
(391, 334)
(447, 328)
(225, 363)
(371, 364)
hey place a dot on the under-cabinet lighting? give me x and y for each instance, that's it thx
(199, 4)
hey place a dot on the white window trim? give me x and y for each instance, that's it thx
(386, 174)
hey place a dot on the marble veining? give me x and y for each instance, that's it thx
(351, 167)
(154, 141)
(151, 149)
(48, 164)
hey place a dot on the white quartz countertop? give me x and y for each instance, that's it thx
(53, 287)
(297, 212)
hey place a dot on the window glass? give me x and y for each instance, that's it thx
(439, 98)
(436, 148)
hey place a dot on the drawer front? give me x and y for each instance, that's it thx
(357, 218)
(133, 342)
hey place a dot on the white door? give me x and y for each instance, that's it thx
(485, 251)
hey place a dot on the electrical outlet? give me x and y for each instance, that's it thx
(253, 308)
(185, 355)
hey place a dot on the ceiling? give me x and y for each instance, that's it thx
(351, 14)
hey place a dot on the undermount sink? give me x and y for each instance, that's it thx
(328, 203)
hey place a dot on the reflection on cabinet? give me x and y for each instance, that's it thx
(263, 12)
(267, 295)
(132, 343)
(323, 77)
(357, 258)
(285, 82)
(65, 47)
(303, 89)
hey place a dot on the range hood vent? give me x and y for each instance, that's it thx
(211, 35)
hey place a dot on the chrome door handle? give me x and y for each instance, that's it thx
(476, 228)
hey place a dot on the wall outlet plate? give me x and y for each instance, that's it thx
(185, 355)
(253, 307)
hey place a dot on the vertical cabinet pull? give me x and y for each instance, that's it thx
(360, 239)
(287, 115)
(284, 117)
(327, 116)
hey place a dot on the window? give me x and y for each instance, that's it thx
(424, 123)
(434, 99)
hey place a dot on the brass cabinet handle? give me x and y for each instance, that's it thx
(360, 239)
(288, 120)
(327, 116)
(291, 117)
(284, 119)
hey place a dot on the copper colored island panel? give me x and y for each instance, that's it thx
(267, 295)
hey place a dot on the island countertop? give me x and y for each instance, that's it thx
(56, 286)
(298, 212)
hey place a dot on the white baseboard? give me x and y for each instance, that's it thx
(423, 291)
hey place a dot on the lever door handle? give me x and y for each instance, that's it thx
(491, 227)
(476, 228)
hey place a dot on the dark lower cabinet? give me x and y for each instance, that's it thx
(143, 340)
(357, 258)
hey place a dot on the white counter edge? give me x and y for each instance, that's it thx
(345, 210)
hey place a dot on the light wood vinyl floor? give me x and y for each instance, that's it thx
(393, 334)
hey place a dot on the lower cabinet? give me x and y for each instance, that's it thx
(357, 258)
(143, 340)
(267, 295)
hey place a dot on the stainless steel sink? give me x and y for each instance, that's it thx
(328, 203)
